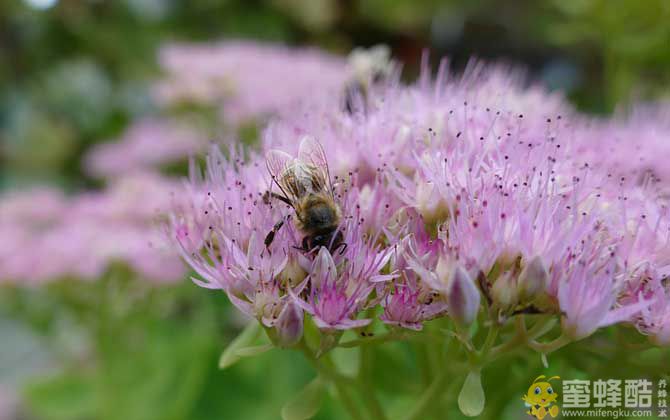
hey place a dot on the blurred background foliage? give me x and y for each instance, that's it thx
(76, 72)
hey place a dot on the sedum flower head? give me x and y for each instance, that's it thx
(456, 193)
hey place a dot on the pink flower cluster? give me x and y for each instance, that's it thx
(456, 193)
(49, 236)
(246, 79)
(147, 143)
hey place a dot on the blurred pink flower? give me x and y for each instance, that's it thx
(80, 236)
(41, 205)
(631, 146)
(8, 403)
(249, 80)
(147, 143)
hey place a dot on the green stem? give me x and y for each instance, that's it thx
(428, 397)
(382, 338)
(552, 346)
(490, 340)
(103, 332)
(524, 337)
(347, 401)
(423, 363)
(520, 324)
(365, 383)
(336, 379)
(542, 326)
(391, 336)
(519, 339)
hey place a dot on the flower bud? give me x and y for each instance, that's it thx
(430, 204)
(533, 279)
(462, 297)
(443, 270)
(505, 292)
(289, 325)
(323, 268)
(293, 273)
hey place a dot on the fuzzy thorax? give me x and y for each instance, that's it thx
(317, 213)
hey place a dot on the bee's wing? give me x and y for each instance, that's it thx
(279, 164)
(311, 154)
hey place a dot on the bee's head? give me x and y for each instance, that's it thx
(333, 240)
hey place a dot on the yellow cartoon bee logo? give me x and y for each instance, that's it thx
(540, 398)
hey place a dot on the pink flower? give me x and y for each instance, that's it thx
(409, 306)
(334, 299)
(647, 283)
(655, 321)
(587, 297)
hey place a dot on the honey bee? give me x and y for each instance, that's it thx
(305, 185)
(370, 68)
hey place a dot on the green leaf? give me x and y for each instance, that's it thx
(471, 399)
(254, 350)
(230, 355)
(306, 403)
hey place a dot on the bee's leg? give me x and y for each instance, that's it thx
(342, 246)
(337, 242)
(306, 244)
(271, 235)
(303, 246)
(269, 194)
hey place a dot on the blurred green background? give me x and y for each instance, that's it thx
(74, 73)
